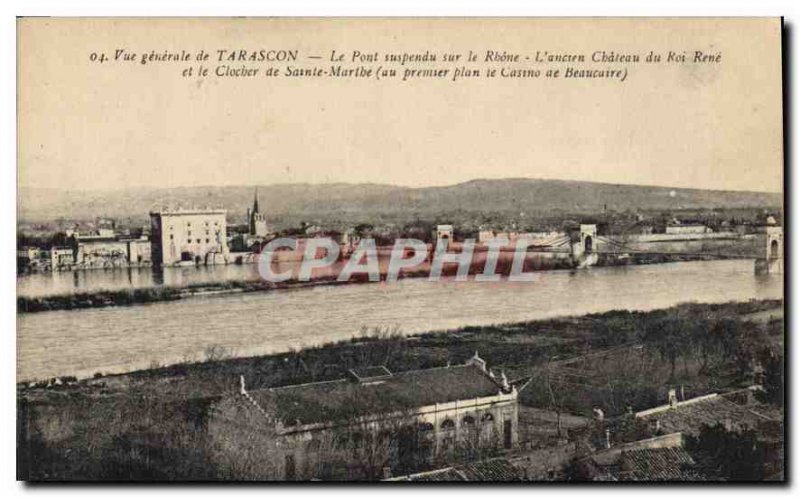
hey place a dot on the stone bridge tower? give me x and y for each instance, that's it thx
(769, 246)
(584, 245)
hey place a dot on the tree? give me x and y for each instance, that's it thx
(717, 339)
(670, 335)
(580, 470)
(721, 454)
(363, 229)
(772, 377)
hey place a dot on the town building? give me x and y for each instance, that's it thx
(443, 231)
(30, 253)
(534, 237)
(687, 229)
(658, 450)
(186, 235)
(62, 258)
(98, 234)
(661, 458)
(112, 252)
(689, 416)
(372, 423)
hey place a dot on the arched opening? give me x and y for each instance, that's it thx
(587, 244)
(774, 249)
(425, 427)
(448, 424)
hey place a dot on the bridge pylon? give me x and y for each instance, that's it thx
(583, 245)
(769, 244)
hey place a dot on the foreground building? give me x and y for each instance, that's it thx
(371, 425)
(198, 236)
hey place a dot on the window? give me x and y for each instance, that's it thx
(198, 240)
(189, 234)
(290, 467)
(448, 424)
(468, 421)
(171, 236)
(207, 240)
(507, 434)
(189, 240)
(487, 418)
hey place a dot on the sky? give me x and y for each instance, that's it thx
(86, 125)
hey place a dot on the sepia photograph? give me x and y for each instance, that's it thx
(417, 250)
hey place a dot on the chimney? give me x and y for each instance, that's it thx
(241, 385)
(608, 438)
(504, 381)
(655, 425)
(672, 399)
(476, 361)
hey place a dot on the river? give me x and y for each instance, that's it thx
(119, 339)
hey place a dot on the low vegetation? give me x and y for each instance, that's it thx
(151, 424)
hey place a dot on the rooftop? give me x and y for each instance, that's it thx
(665, 464)
(661, 458)
(689, 416)
(384, 392)
(498, 469)
(186, 212)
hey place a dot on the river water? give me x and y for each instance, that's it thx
(118, 339)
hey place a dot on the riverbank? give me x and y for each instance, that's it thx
(150, 424)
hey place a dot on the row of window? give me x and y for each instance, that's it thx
(189, 223)
(189, 240)
(449, 424)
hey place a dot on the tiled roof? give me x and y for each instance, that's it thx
(689, 417)
(665, 464)
(347, 399)
(447, 474)
(498, 469)
(491, 470)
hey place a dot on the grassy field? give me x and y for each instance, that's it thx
(151, 424)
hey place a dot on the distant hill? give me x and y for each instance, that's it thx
(325, 203)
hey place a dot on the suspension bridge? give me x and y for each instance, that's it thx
(765, 245)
